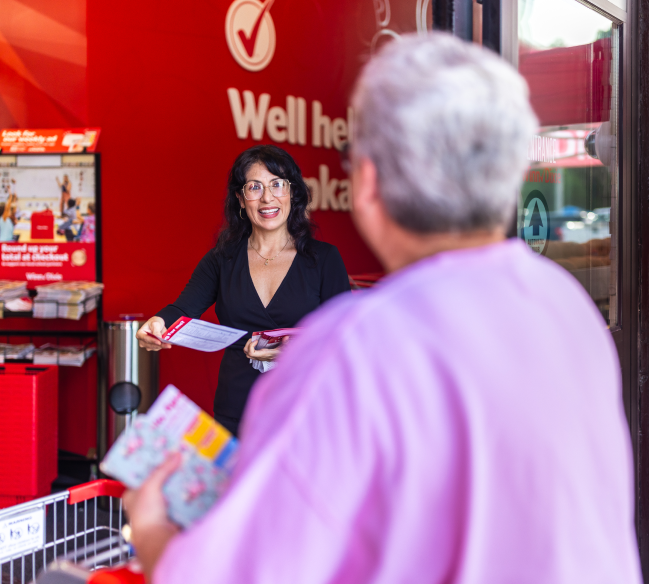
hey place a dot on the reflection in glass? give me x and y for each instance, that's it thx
(568, 203)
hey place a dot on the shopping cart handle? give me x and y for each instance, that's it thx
(100, 488)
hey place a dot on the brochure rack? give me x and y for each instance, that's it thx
(52, 309)
(47, 354)
(48, 182)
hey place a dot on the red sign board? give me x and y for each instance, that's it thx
(39, 262)
(47, 217)
(49, 141)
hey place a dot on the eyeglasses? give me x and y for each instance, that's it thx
(254, 190)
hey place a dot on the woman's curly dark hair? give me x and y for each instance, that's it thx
(280, 163)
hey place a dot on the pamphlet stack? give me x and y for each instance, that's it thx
(66, 299)
(10, 290)
(269, 340)
(9, 352)
(71, 355)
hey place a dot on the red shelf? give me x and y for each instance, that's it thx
(87, 323)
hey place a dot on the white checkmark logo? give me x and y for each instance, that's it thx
(250, 33)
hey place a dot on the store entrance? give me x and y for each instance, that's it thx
(579, 199)
(569, 207)
(582, 200)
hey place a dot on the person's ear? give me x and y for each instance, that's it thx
(368, 211)
(365, 191)
(241, 201)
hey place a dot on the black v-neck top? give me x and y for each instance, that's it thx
(225, 279)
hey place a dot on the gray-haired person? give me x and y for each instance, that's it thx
(459, 423)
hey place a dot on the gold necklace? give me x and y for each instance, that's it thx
(268, 259)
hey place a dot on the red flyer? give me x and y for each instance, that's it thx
(273, 338)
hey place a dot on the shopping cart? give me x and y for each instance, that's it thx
(68, 537)
(362, 281)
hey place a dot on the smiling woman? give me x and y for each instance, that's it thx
(266, 271)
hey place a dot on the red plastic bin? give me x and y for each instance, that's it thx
(28, 431)
(42, 225)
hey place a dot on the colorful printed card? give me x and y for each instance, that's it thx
(176, 424)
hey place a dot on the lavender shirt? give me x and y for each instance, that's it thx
(460, 423)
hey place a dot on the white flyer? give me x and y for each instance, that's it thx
(200, 335)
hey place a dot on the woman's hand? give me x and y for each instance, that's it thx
(151, 529)
(263, 354)
(156, 326)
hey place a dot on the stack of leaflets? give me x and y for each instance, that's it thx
(66, 299)
(46, 309)
(77, 310)
(269, 340)
(10, 290)
(22, 304)
(176, 424)
(9, 352)
(69, 292)
(71, 355)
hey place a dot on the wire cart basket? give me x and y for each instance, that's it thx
(65, 537)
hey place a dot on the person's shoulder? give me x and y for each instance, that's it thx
(323, 251)
(220, 254)
(322, 246)
(213, 259)
(539, 274)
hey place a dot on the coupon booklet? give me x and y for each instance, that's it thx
(194, 333)
(174, 423)
(269, 340)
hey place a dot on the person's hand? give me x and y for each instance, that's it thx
(263, 354)
(146, 508)
(156, 326)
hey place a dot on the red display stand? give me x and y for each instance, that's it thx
(28, 431)
(70, 168)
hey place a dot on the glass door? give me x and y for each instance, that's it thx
(568, 206)
(583, 197)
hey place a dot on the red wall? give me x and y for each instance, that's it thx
(157, 80)
(43, 64)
